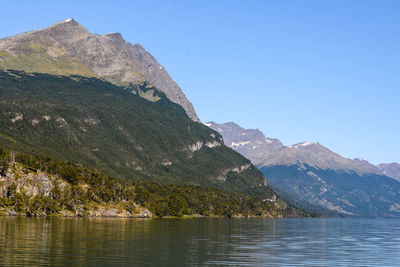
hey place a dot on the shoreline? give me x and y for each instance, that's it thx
(184, 217)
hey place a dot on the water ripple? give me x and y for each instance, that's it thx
(199, 242)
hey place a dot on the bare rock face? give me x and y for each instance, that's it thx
(68, 48)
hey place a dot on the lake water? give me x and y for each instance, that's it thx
(199, 242)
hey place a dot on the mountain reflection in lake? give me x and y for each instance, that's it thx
(236, 242)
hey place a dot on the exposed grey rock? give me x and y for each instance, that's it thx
(36, 183)
(222, 177)
(108, 56)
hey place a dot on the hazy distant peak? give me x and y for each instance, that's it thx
(232, 126)
(69, 22)
(264, 151)
(390, 169)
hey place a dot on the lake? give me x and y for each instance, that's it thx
(199, 242)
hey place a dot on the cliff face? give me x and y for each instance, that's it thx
(69, 48)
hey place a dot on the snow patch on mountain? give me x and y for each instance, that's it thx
(239, 144)
(303, 144)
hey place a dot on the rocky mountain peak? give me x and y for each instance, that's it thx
(115, 36)
(69, 48)
(236, 130)
(245, 141)
(66, 30)
(67, 22)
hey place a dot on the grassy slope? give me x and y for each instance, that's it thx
(35, 58)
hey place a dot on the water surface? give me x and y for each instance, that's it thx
(199, 242)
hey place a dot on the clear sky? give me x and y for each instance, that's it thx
(318, 71)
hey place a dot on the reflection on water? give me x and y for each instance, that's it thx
(236, 242)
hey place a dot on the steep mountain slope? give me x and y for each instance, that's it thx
(106, 127)
(313, 173)
(67, 48)
(390, 169)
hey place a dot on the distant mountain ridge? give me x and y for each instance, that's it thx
(68, 48)
(312, 173)
(264, 151)
(390, 169)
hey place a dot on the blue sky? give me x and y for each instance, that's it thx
(319, 71)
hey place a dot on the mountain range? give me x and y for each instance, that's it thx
(264, 151)
(313, 173)
(98, 101)
(108, 105)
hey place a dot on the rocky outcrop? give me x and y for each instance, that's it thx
(34, 186)
(224, 173)
(199, 145)
(116, 212)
